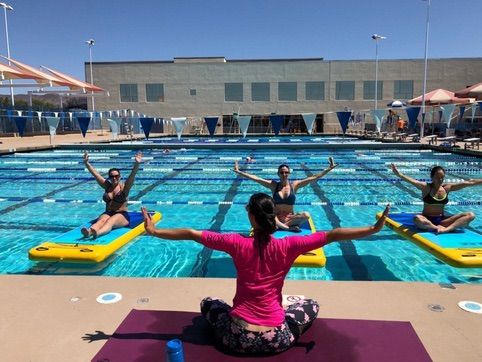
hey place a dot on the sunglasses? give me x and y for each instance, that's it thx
(114, 176)
(284, 172)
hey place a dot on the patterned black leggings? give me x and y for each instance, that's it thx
(232, 336)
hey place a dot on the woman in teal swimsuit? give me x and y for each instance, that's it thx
(435, 196)
(115, 198)
(284, 194)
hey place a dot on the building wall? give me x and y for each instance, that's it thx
(209, 75)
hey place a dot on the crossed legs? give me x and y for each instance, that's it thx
(446, 225)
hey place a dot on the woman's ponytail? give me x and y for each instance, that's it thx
(261, 206)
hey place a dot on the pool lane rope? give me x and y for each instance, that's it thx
(198, 202)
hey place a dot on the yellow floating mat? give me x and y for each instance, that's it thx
(461, 248)
(313, 259)
(72, 247)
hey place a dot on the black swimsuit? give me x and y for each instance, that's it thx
(429, 199)
(118, 199)
(278, 200)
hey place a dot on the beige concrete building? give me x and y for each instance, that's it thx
(215, 86)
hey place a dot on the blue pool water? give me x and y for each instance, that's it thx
(44, 194)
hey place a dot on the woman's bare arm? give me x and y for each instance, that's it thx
(463, 184)
(261, 181)
(301, 183)
(169, 234)
(132, 175)
(418, 184)
(98, 177)
(340, 234)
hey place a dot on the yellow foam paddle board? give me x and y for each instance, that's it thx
(313, 259)
(72, 247)
(461, 248)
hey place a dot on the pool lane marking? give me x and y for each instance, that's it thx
(358, 269)
(199, 202)
(199, 268)
(47, 196)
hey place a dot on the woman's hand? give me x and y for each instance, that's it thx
(395, 170)
(86, 157)
(381, 221)
(236, 166)
(148, 224)
(138, 157)
(340, 234)
(332, 164)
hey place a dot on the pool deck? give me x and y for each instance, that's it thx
(45, 317)
(34, 143)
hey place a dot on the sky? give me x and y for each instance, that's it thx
(53, 32)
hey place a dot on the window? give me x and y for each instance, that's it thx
(155, 92)
(315, 91)
(369, 89)
(192, 92)
(128, 93)
(403, 89)
(287, 91)
(233, 92)
(260, 92)
(345, 90)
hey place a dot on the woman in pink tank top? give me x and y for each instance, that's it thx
(257, 322)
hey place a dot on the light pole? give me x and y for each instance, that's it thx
(91, 43)
(5, 8)
(425, 69)
(376, 37)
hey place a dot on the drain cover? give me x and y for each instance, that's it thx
(436, 307)
(470, 306)
(109, 298)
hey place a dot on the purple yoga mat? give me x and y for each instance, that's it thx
(143, 334)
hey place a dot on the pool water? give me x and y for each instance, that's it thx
(44, 194)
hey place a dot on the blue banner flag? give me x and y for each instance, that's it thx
(276, 123)
(211, 123)
(344, 118)
(461, 112)
(412, 114)
(20, 122)
(83, 124)
(9, 114)
(146, 123)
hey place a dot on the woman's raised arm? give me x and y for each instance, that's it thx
(418, 184)
(463, 184)
(132, 175)
(98, 177)
(306, 181)
(340, 234)
(261, 181)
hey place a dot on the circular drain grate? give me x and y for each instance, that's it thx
(436, 307)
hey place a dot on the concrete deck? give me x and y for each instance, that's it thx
(40, 322)
(45, 317)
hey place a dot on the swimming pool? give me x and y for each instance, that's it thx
(44, 194)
